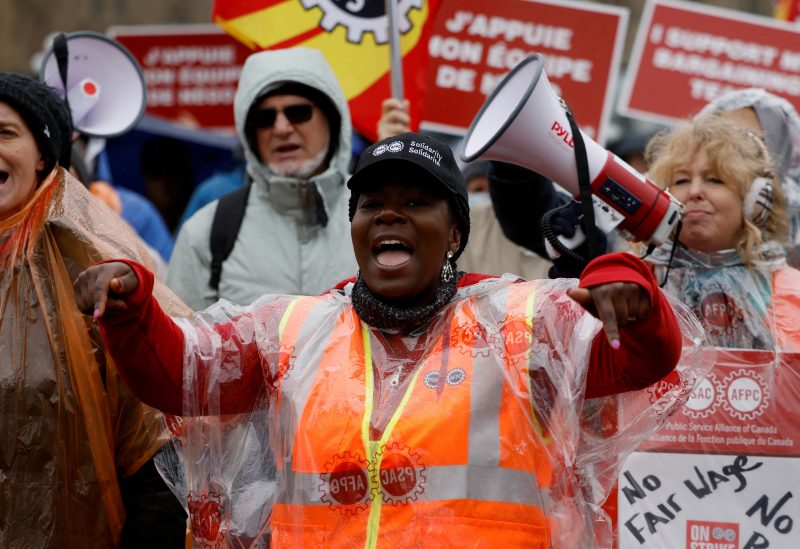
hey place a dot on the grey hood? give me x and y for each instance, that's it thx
(781, 125)
(778, 118)
(264, 70)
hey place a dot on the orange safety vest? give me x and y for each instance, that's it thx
(461, 462)
(785, 309)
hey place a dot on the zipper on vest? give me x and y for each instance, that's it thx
(372, 447)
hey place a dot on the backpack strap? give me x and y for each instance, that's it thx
(224, 229)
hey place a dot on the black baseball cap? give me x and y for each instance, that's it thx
(432, 155)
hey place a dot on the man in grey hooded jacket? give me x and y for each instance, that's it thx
(294, 124)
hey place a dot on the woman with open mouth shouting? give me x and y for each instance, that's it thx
(76, 447)
(413, 405)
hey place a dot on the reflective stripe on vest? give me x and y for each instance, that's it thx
(442, 482)
(466, 447)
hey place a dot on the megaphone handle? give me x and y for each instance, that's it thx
(584, 184)
(571, 243)
(559, 246)
(62, 58)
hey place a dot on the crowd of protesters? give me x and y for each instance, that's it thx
(341, 380)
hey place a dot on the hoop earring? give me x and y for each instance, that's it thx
(447, 268)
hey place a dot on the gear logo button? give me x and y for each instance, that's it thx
(704, 399)
(456, 376)
(345, 484)
(395, 146)
(719, 310)
(746, 395)
(208, 518)
(431, 379)
(517, 339)
(669, 395)
(379, 150)
(175, 425)
(401, 475)
(286, 361)
(471, 339)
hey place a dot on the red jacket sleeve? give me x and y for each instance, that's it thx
(148, 349)
(650, 349)
(147, 346)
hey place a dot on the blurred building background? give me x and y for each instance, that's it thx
(24, 24)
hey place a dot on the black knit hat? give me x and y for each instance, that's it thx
(427, 154)
(46, 115)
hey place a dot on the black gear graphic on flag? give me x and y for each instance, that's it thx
(362, 16)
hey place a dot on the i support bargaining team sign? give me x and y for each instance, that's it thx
(724, 471)
(687, 54)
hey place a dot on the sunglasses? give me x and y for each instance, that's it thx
(295, 114)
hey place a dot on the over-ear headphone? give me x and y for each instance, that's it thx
(757, 204)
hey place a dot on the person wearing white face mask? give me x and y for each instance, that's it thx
(490, 251)
(294, 124)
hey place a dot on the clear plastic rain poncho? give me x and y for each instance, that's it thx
(68, 426)
(740, 306)
(469, 432)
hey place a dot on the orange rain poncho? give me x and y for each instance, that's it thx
(68, 426)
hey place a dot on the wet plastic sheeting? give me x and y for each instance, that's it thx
(68, 426)
(488, 439)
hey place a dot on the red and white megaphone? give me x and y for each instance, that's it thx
(523, 122)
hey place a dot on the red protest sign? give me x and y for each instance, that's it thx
(685, 55)
(744, 405)
(717, 472)
(474, 43)
(191, 71)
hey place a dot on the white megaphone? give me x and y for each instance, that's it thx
(105, 87)
(523, 122)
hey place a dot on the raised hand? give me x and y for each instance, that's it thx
(394, 118)
(102, 287)
(616, 304)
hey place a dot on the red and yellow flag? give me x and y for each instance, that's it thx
(788, 10)
(352, 34)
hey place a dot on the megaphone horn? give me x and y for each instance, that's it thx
(104, 86)
(523, 122)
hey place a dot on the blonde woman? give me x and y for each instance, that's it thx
(777, 122)
(729, 265)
